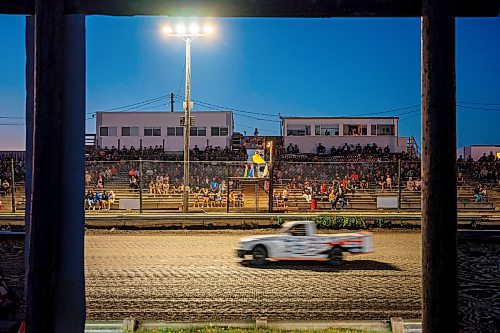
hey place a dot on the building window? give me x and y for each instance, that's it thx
(198, 131)
(152, 131)
(104, 131)
(298, 130)
(355, 130)
(384, 129)
(107, 131)
(129, 131)
(175, 131)
(326, 130)
(219, 131)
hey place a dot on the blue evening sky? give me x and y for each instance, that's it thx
(296, 67)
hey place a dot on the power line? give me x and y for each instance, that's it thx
(135, 104)
(5, 117)
(479, 103)
(477, 108)
(231, 109)
(388, 111)
(236, 112)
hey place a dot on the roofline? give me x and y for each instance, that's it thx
(158, 112)
(492, 145)
(339, 117)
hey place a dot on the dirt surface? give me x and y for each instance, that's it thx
(196, 276)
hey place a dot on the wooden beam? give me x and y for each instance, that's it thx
(439, 185)
(256, 8)
(55, 276)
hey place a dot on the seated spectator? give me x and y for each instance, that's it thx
(214, 185)
(96, 202)
(388, 182)
(285, 194)
(410, 184)
(100, 183)
(342, 200)
(320, 149)
(491, 157)
(306, 194)
(387, 150)
(5, 189)
(289, 149)
(232, 199)
(296, 149)
(239, 200)
(477, 195)
(104, 201)
(278, 199)
(111, 199)
(460, 179)
(418, 184)
(332, 197)
(89, 199)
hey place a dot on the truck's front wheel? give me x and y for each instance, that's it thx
(259, 255)
(336, 257)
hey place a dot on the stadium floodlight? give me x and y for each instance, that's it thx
(187, 33)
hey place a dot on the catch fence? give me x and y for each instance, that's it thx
(225, 186)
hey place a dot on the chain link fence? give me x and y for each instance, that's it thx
(217, 186)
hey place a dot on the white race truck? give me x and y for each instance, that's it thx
(298, 240)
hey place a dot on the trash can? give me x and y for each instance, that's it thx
(314, 204)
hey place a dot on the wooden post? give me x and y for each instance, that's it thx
(30, 108)
(55, 277)
(439, 187)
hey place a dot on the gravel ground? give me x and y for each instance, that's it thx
(196, 276)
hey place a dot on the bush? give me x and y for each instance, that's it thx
(341, 222)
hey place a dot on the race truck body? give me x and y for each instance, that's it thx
(298, 240)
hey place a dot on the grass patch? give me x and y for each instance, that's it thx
(252, 330)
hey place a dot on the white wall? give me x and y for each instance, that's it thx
(477, 151)
(308, 144)
(163, 120)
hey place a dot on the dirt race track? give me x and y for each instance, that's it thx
(196, 276)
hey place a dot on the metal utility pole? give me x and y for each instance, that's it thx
(187, 126)
(439, 184)
(187, 35)
(171, 102)
(140, 185)
(399, 184)
(13, 186)
(271, 182)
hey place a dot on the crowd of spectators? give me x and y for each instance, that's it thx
(100, 201)
(6, 173)
(156, 153)
(485, 170)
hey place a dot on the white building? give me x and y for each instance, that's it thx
(308, 132)
(145, 129)
(477, 151)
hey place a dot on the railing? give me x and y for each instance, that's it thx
(160, 184)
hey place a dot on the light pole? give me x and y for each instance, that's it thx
(187, 34)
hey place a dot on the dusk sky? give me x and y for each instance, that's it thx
(296, 67)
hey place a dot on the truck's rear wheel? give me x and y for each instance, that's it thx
(336, 257)
(259, 255)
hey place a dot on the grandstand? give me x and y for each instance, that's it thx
(302, 175)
